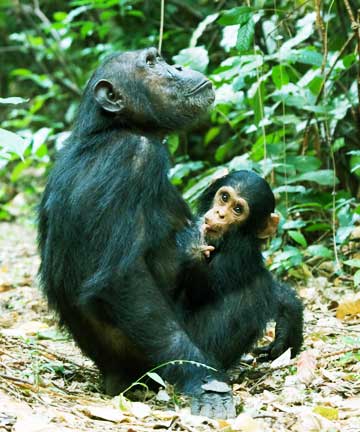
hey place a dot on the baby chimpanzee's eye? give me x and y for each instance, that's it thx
(238, 209)
(225, 196)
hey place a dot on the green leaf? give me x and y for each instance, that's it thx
(157, 378)
(304, 163)
(60, 16)
(211, 134)
(320, 251)
(279, 76)
(315, 85)
(181, 170)
(338, 144)
(223, 150)
(353, 263)
(357, 278)
(13, 101)
(201, 28)
(349, 60)
(318, 226)
(342, 233)
(321, 177)
(355, 164)
(12, 143)
(298, 237)
(306, 56)
(258, 102)
(245, 36)
(237, 15)
(293, 224)
(19, 169)
(173, 143)
(290, 189)
(196, 58)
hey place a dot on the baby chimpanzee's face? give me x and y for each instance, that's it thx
(228, 209)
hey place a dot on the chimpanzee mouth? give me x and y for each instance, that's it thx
(210, 229)
(204, 84)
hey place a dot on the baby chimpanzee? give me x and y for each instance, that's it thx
(223, 278)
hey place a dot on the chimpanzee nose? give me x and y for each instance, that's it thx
(178, 67)
(221, 213)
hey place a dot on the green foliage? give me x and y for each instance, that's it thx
(281, 109)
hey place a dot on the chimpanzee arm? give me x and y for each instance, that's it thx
(193, 253)
(289, 324)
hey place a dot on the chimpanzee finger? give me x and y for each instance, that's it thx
(279, 347)
(263, 349)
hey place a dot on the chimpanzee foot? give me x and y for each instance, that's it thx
(215, 401)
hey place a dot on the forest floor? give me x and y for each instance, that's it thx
(46, 385)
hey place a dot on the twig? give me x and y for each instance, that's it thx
(322, 87)
(18, 380)
(355, 25)
(287, 15)
(336, 353)
(27, 13)
(323, 33)
(161, 24)
(349, 11)
(43, 18)
(56, 36)
(66, 360)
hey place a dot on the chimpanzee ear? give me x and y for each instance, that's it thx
(107, 97)
(270, 227)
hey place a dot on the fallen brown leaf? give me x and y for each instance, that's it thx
(306, 366)
(351, 308)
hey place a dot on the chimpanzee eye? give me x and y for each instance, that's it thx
(225, 196)
(238, 209)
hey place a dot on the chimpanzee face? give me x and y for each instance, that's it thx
(141, 87)
(228, 209)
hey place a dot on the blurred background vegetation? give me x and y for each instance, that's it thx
(287, 79)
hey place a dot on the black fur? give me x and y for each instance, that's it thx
(108, 221)
(231, 297)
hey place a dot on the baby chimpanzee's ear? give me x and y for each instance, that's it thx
(270, 227)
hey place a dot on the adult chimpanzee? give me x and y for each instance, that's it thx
(108, 222)
(226, 291)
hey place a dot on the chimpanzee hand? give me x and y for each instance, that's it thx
(286, 336)
(264, 353)
(206, 250)
(271, 351)
(214, 401)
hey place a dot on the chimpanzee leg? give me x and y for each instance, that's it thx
(230, 326)
(158, 334)
(289, 324)
(117, 359)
